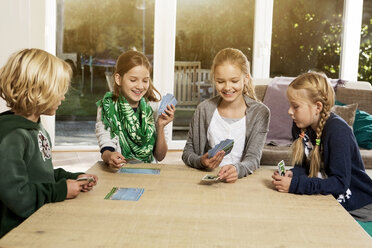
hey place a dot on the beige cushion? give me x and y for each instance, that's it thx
(362, 97)
(346, 112)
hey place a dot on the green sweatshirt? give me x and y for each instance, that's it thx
(27, 177)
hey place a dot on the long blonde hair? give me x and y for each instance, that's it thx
(236, 57)
(32, 81)
(125, 63)
(318, 89)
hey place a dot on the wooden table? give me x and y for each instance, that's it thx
(175, 210)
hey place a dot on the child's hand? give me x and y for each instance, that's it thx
(89, 186)
(166, 117)
(282, 183)
(113, 159)
(74, 187)
(228, 173)
(214, 161)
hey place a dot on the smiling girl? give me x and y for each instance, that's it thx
(234, 114)
(125, 126)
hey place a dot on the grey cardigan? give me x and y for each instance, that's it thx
(257, 125)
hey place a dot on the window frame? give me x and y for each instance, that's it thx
(164, 49)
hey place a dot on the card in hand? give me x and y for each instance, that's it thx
(281, 168)
(167, 100)
(133, 161)
(89, 179)
(226, 145)
(210, 178)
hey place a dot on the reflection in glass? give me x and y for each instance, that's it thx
(306, 35)
(365, 56)
(90, 36)
(202, 29)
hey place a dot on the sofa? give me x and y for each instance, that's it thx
(352, 92)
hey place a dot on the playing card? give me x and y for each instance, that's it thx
(89, 179)
(133, 161)
(226, 145)
(138, 171)
(167, 100)
(128, 194)
(210, 178)
(281, 168)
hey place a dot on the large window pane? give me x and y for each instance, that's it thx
(91, 35)
(306, 36)
(202, 29)
(365, 56)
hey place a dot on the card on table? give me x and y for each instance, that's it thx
(281, 168)
(226, 145)
(210, 178)
(127, 194)
(138, 171)
(168, 99)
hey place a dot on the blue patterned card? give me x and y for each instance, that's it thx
(138, 171)
(127, 194)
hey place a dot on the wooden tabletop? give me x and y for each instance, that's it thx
(176, 210)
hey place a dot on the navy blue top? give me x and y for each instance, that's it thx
(346, 178)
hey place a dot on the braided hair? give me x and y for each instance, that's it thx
(318, 89)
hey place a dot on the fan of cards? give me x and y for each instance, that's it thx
(226, 145)
(281, 168)
(168, 99)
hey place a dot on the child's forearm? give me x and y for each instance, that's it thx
(161, 146)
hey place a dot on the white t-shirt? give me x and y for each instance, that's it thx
(219, 130)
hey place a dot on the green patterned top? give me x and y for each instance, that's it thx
(136, 130)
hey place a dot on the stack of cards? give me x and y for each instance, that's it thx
(226, 145)
(281, 168)
(168, 99)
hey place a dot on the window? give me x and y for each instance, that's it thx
(306, 36)
(90, 36)
(365, 56)
(202, 29)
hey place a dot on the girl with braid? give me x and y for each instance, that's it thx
(126, 128)
(325, 153)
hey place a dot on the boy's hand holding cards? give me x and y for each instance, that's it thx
(88, 179)
(281, 168)
(226, 145)
(167, 100)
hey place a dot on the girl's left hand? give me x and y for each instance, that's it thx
(281, 183)
(166, 117)
(228, 173)
(90, 185)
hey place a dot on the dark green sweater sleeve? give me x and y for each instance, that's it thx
(18, 193)
(62, 174)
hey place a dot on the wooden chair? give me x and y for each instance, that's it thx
(187, 84)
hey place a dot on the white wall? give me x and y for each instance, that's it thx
(23, 24)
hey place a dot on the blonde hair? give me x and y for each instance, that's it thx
(33, 81)
(235, 57)
(125, 63)
(318, 89)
